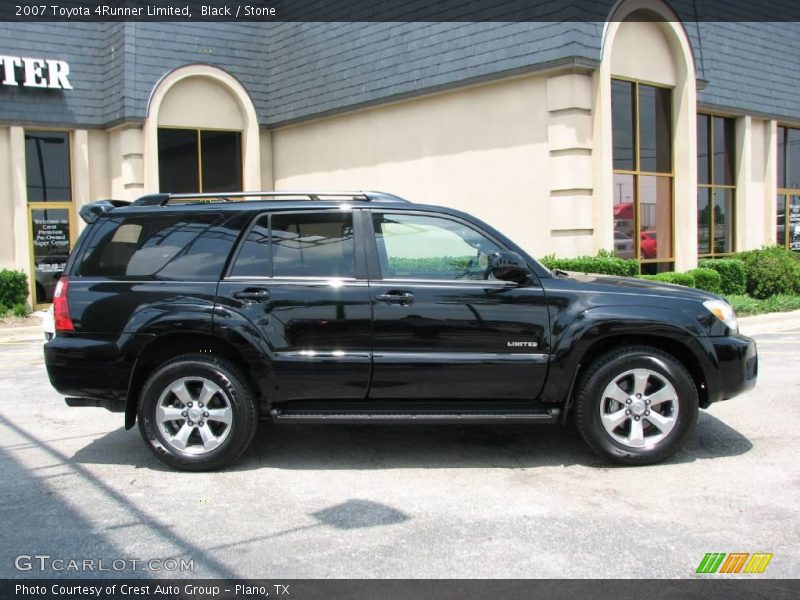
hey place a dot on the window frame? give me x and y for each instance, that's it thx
(359, 261)
(711, 186)
(198, 133)
(376, 273)
(636, 173)
(785, 192)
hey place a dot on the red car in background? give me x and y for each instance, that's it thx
(648, 244)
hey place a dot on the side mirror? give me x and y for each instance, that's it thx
(508, 266)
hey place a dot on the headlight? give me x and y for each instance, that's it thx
(723, 311)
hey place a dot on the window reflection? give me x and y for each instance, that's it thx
(655, 216)
(716, 195)
(642, 200)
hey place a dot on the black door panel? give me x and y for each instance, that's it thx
(318, 332)
(459, 340)
(294, 280)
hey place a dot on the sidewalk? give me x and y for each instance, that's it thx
(769, 323)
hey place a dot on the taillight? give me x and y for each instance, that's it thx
(61, 306)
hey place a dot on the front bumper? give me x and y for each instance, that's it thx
(737, 358)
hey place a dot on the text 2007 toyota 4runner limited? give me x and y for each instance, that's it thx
(200, 315)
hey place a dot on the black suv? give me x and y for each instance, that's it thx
(201, 315)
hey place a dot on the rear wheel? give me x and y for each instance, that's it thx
(636, 405)
(197, 413)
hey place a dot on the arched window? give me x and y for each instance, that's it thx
(201, 134)
(648, 127)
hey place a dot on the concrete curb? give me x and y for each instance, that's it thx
(18, 334)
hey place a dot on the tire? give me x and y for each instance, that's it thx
(197, 413)
(632, 429)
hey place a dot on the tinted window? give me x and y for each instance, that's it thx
(781, 157)
(312, 245)
(423, 247)
(724, 150)
(655, 147)
(167, 246)
(704, 220)
(253, 257)
(47, 166)
(178, 170)
(205, 255)
(703, 164)
(655, 217)
(222, 160)
(622, 107)
(792, 174)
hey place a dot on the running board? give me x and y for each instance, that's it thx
(350, 416)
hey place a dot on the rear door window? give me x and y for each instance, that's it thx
(187, 246)
(298, 245)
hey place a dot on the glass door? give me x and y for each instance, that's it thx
(52, 231)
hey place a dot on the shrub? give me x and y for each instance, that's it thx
(707, 279)
(732, 272)
(685, 279)
(771, 271)
(13, 287)
(602, 264)
(745, 305)
(20, 310)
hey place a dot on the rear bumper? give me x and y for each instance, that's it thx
(86, 368)
(737, 358)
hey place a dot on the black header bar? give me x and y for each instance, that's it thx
(395, 589)
(381, 10)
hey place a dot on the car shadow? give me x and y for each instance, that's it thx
(428, 446)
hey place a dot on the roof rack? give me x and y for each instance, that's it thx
(288, 195)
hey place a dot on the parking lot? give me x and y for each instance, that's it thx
(396, 501)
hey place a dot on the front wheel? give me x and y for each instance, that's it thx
(197, 413)
(636, 405)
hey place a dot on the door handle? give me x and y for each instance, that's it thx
(402, 298)
(252, 294)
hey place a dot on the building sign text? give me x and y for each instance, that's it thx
(35, 72)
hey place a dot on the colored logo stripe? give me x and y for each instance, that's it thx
(758, 562)
(711, 562)
(735, 562)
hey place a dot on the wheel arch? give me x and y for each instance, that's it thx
(167, 346)
(675, 347)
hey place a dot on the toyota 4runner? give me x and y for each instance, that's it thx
(198, 315)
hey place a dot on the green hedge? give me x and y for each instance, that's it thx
(602, 264)
(13, 288)
(771, 271)
(732, 272)
(745, 305)
(685, 279)
(707, 279)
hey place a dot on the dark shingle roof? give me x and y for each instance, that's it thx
(300, 70)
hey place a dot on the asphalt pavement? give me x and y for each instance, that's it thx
(396, 501)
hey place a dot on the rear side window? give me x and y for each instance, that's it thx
(188, 246)
(298, 245)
